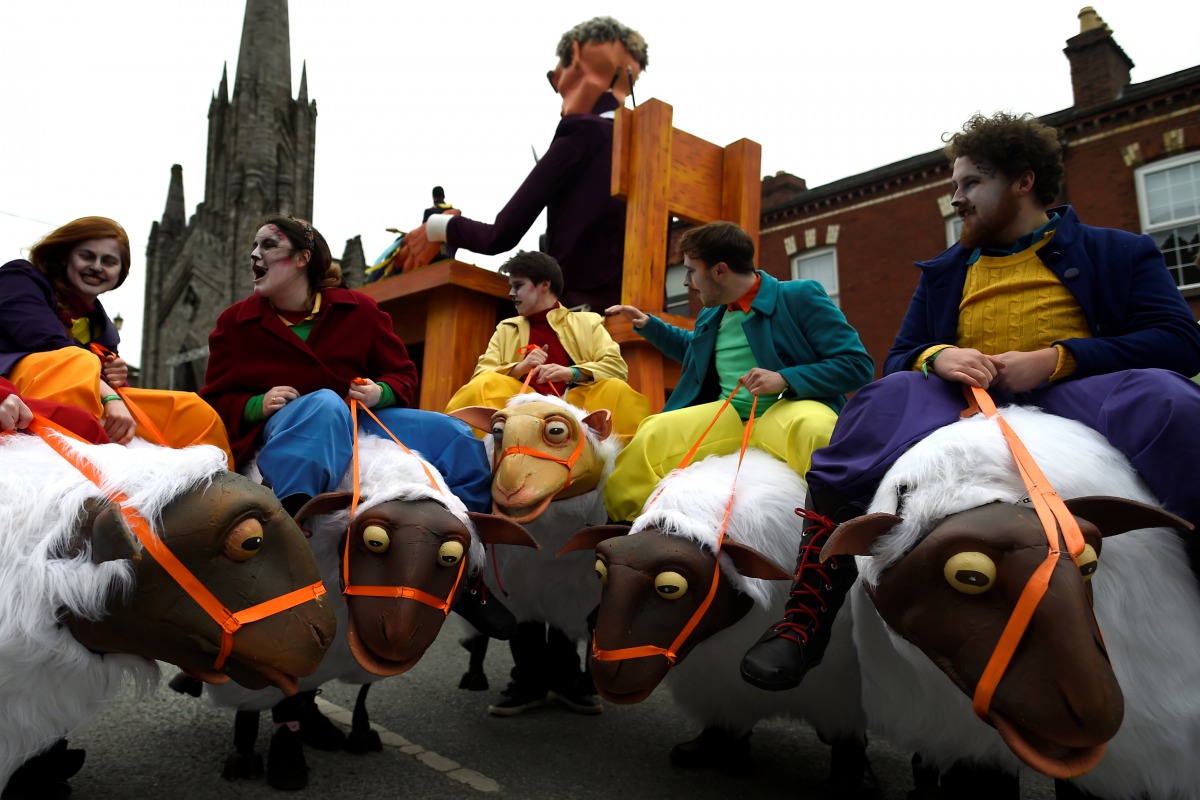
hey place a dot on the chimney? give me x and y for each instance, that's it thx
(1099, 67)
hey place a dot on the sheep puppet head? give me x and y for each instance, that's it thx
(524, 484)
(406, 535)
(658, 573)
(231, 534)
(949, 566)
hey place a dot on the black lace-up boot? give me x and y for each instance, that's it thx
(796, 644)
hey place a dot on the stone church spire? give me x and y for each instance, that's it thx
(261, 156)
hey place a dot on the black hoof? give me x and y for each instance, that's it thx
(186, 684)
(286, 768)
(362, 742)
(47, 790)
(473, 682)
(243, 766)
(317, 730)
(850, 775)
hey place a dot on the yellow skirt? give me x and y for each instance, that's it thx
(628, 407)
(72, 376)
(790, 430)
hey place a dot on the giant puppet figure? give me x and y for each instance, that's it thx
(598, 63)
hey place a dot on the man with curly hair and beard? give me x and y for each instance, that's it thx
(1035, 307)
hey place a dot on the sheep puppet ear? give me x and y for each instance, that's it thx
(478, 417)
(753, 564)
(493, 529)
(855, 537)
(588, 538)
(105, 529)
(322, 504)
(1113, 515)
(600, 422)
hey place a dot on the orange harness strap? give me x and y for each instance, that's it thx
(105, 355)
(1055, 519)
(529, 348)
(228, 621)
(404, 592)
(670, 653)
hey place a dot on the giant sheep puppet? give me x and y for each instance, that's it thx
(413, 547)
(551, 461)
(83, 604)
(658, 575)
(1106, 704)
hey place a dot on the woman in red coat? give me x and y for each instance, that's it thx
(283, 365)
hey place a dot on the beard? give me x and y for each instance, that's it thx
(989, 230)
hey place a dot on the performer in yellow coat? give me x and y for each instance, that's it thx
(569, 352)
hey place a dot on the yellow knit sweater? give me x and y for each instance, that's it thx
(1016, 303)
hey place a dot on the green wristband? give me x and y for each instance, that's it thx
(108, 398)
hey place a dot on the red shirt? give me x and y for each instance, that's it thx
(541, 334)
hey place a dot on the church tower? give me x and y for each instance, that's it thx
(261, 156)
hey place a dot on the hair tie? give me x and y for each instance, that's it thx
(304, 224)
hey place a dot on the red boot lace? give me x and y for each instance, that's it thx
(800, 618)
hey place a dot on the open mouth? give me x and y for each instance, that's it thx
(1049, 758)
(258, 270)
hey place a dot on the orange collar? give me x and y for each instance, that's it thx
(744, 302)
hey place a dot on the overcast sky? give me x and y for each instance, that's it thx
(99, 99)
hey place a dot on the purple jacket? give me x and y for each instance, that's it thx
(585, 224)
(29, 320)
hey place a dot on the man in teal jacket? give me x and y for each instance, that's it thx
(783, 341)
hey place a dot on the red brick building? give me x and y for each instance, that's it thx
(1132, 154)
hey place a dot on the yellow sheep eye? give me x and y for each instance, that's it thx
(670, 585)
(450, 553)
(970, 573)
(1089, 562)
(245, 540)
(602, 572)
(376, 538)
(557, 431)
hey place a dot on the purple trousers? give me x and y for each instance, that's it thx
(1150, 415)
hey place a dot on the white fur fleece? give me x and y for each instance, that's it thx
(386, 473)
(537, 586)
(1146, 600)
(708, 685)
(49, 683)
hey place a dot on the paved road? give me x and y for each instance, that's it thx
(441, 744)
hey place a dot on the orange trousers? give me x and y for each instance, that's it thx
(72, 376)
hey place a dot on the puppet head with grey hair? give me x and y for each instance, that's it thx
(595, 57)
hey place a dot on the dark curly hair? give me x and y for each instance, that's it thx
(1014, 144)
(604, 29)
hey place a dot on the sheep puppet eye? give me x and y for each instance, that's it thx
(670, 585)
(376, 538)
(970, 573)
(1089, 562)
(602, 572)
(245, 540)
(450, 553)
(556, 431)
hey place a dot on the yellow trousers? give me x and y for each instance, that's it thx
(790, 430)
(72, 376)
(493, 390)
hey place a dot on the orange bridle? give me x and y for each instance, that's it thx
(228, 621)
(1056, 519)
(405, 592)
(671, 652)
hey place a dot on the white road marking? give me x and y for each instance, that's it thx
(439, 763)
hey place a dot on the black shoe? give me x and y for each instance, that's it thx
(287, 770)
(484, 611)
(316, 729)
(578, 702)
(796, 644)
(716, 747)
(517, 699)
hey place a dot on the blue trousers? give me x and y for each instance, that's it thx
(1150, 415)
(308, 446)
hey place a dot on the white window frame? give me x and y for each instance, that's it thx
(953, 229)
(1151, 229)
(672, 303)
(812, 255)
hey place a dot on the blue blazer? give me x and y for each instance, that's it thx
(1135, 312)
(795, 330)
